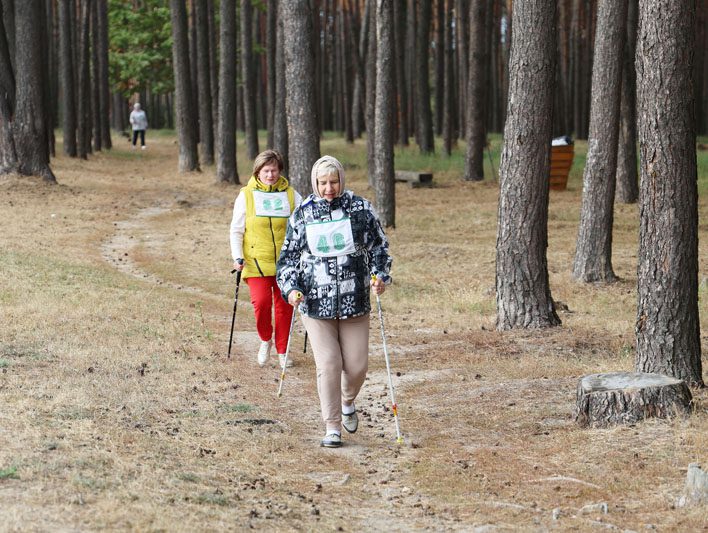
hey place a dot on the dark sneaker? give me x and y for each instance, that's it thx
(331, 440)
(350, 422)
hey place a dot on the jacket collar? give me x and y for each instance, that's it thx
(280, 185)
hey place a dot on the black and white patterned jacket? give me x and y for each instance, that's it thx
(334, 287)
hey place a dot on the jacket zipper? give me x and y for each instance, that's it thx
(275, 248)
(259, 267)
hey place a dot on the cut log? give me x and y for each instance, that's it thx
(415, 179)
(627, 397)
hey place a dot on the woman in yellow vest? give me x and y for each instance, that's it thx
(260, 218)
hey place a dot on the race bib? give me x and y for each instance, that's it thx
(330, 239)
(271, 204)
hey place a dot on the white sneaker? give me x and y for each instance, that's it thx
(143, 147)
(264, 352)
(331, 440)
(350, 422)
(281, 358)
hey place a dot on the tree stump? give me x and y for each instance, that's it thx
(627, 397)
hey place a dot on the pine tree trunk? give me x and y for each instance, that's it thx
(66, 54)
(476, 104)
(593, 253)
(271, 46)
(668, 329)
(449, 94)
(360, 57)
(371, 97)
(103, 84)
(185, 117)
(462, 18)
(384, 178)
(344, 44)
(399, 27)
(523, 292)
(249, 82)
(280, 121)
(84, 108)
(303, 132)
(226, 171)
(439, 65)
(213, 66)
(424, 114)
(206, 126)
(95, 108)
(8, 154)
(194, 61)
(627, 190)
(29, 126)
(49, 91)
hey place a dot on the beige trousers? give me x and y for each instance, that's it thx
(341, 349)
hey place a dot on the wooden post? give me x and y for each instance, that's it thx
(627, 397)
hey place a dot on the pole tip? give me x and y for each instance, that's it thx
(399, 440)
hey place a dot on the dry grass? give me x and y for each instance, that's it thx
(120, 410)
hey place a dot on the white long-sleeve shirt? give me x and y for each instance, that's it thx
(238, 223)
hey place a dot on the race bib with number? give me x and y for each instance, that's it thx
(271, 204)
(330, 239)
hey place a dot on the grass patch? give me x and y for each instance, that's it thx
(238, 408)
(9, 473)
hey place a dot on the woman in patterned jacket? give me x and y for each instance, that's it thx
(334, 251)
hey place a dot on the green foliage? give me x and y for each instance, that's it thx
(140, 47)
(9, 473)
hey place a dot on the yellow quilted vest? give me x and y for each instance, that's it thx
(264, 236)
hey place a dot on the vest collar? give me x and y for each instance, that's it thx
(280, 185)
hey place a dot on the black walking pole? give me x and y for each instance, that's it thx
(304, 348)
(233, 318)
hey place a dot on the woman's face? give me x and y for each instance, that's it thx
(328, 186)
(269, 174)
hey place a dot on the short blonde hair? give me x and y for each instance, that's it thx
(267, 157)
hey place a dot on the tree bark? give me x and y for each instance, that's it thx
(280, 121)
(185, 117)
(84, 85)
(95, 108)
(461, 45)
(399, 27)
(668, 329)
(448, 88)
(439, 66)
(371, 97)
(627, 191)
(303, 132)
(226, 170)
(29, 126)
(213, 66)
(103, 83)
(523, 292)
(206, 126)
(249, 82)
(358, 91)
(593, 253)
(8, 153)
(424, 114)
(271, 47)
(476, 101)
(604, 400)
(384, 178)
(66, 54)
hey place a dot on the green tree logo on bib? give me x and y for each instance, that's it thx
(339, 243)
(322, 245)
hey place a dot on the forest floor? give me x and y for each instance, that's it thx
(120, 410)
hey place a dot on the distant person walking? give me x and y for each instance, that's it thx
(333, 247)
(260, 217)
(139, 122)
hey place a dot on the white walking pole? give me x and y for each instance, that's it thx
(287, 351)
(394, 407)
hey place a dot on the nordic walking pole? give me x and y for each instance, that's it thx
(287, 350)
(304, 348)
(233, 318)
(394, 407)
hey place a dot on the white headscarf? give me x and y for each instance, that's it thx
(325, 166)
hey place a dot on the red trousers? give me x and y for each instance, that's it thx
(265, 291)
